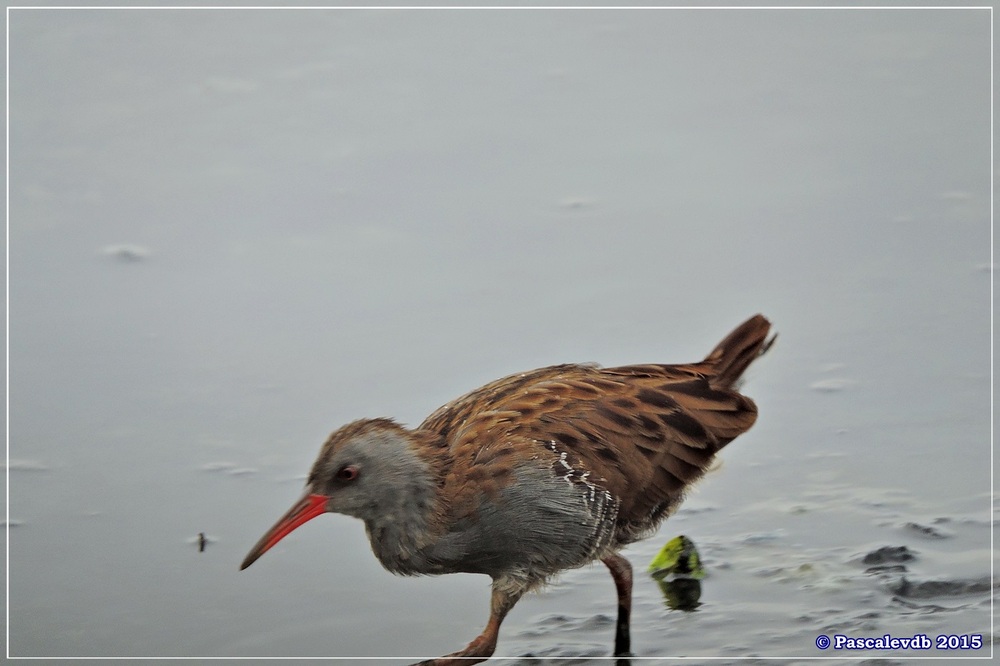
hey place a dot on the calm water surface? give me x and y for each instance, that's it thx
(233, 231)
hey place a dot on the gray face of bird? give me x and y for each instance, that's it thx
(369, 470)
(375, 475)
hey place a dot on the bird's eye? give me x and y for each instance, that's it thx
(347, 473)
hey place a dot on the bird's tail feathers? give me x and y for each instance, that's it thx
(738, 350)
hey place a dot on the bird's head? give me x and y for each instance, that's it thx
(371, 469)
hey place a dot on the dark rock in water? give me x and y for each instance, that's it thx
(886, 569)
(887, 554)
(927, 589)
(926, 531)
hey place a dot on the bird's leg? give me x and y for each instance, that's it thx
(504, 596)
(621, 571)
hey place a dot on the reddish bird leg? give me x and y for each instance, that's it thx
(621, 571)
(483, 645)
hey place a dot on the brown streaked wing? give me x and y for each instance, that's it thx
(489, 397)
(644, 432)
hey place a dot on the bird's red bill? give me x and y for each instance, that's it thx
(306, 509)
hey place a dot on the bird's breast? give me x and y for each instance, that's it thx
(541, 515)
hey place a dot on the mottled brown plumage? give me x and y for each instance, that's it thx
(536, 472)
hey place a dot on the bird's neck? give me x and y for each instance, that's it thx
(408, 520)
(398, 544)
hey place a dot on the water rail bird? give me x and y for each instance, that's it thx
(534, 473)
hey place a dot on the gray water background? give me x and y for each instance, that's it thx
(344, 213)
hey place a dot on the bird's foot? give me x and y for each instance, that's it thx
(478, 650)
(454, 659)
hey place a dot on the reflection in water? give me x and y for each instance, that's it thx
(680, 593)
